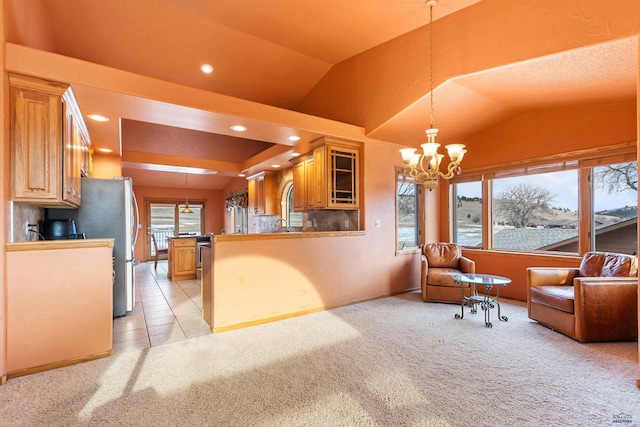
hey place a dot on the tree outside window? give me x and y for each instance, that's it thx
(536, 212)
(615, 208)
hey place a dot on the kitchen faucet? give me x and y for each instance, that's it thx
(285, 223)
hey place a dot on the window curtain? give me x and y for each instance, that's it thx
(238, 199)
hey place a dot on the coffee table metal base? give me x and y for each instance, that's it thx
(484, 299)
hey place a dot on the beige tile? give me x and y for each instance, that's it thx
(197, 332)
(131, 345)
(165, 328)
(130, 335)
(155, 312)
(167, 338)
(155, 302)
(125, 324)
(163, 320)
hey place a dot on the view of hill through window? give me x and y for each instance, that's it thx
(540, 212)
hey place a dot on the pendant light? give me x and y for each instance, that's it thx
(414, 163)
(186, 209)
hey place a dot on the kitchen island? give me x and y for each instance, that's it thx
(181, 257)
(249, 279)
(59, 303)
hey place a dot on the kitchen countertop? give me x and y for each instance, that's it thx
(284, 235)
(41, 245)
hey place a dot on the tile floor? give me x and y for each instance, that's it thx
(165, 311)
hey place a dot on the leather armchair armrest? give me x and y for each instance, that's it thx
(467, 265)
(424, 268)
(550, 276)
(605, 304)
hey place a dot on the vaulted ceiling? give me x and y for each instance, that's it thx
(275, 53)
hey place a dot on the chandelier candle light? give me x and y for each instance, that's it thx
(414, 163)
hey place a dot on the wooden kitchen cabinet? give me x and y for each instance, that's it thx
(49, 143)
(328, 178)
(304, 184)
(262, 194)
(181, 261)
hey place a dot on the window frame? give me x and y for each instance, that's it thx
(420, 213)
(584, 161)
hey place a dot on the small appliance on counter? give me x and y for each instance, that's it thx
(59, 229)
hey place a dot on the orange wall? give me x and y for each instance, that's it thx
(552, 131)
(214, 207)
(28, 23)
(106, 166)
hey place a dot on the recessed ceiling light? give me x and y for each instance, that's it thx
(242, 174)
(295, 154)
(206, 68)
(275, 166)
(98, 118)
(294, 138)
(105, 150)
(238, 128)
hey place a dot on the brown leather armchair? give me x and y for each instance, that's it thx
(440, 262)
(596, 302)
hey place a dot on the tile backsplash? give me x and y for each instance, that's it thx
(311, 221)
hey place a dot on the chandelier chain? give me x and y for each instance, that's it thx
(431, 120)
(425, 167)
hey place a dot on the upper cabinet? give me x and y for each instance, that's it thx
(304, 183)
(262, 194)
(328, 178)
(50, 145)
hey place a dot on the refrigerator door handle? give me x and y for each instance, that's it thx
(137, 221)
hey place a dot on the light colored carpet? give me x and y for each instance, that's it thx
(391, 362)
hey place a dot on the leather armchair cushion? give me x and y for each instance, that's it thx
(604, 264)
(558, 297)
(442, 276)
(442, 255)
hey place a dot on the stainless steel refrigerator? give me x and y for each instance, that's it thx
(109, 209)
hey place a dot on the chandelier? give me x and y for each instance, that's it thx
(425, 167)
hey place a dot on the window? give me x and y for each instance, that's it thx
(239, 219)
(165, 219)
(408, 213)
(190, 223)
(615, 208)
(587, 201)
(294, 219)
(536, 212)
(467, 208)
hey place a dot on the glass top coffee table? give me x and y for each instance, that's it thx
(484, 299)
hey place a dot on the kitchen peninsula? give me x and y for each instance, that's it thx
(249, 279)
